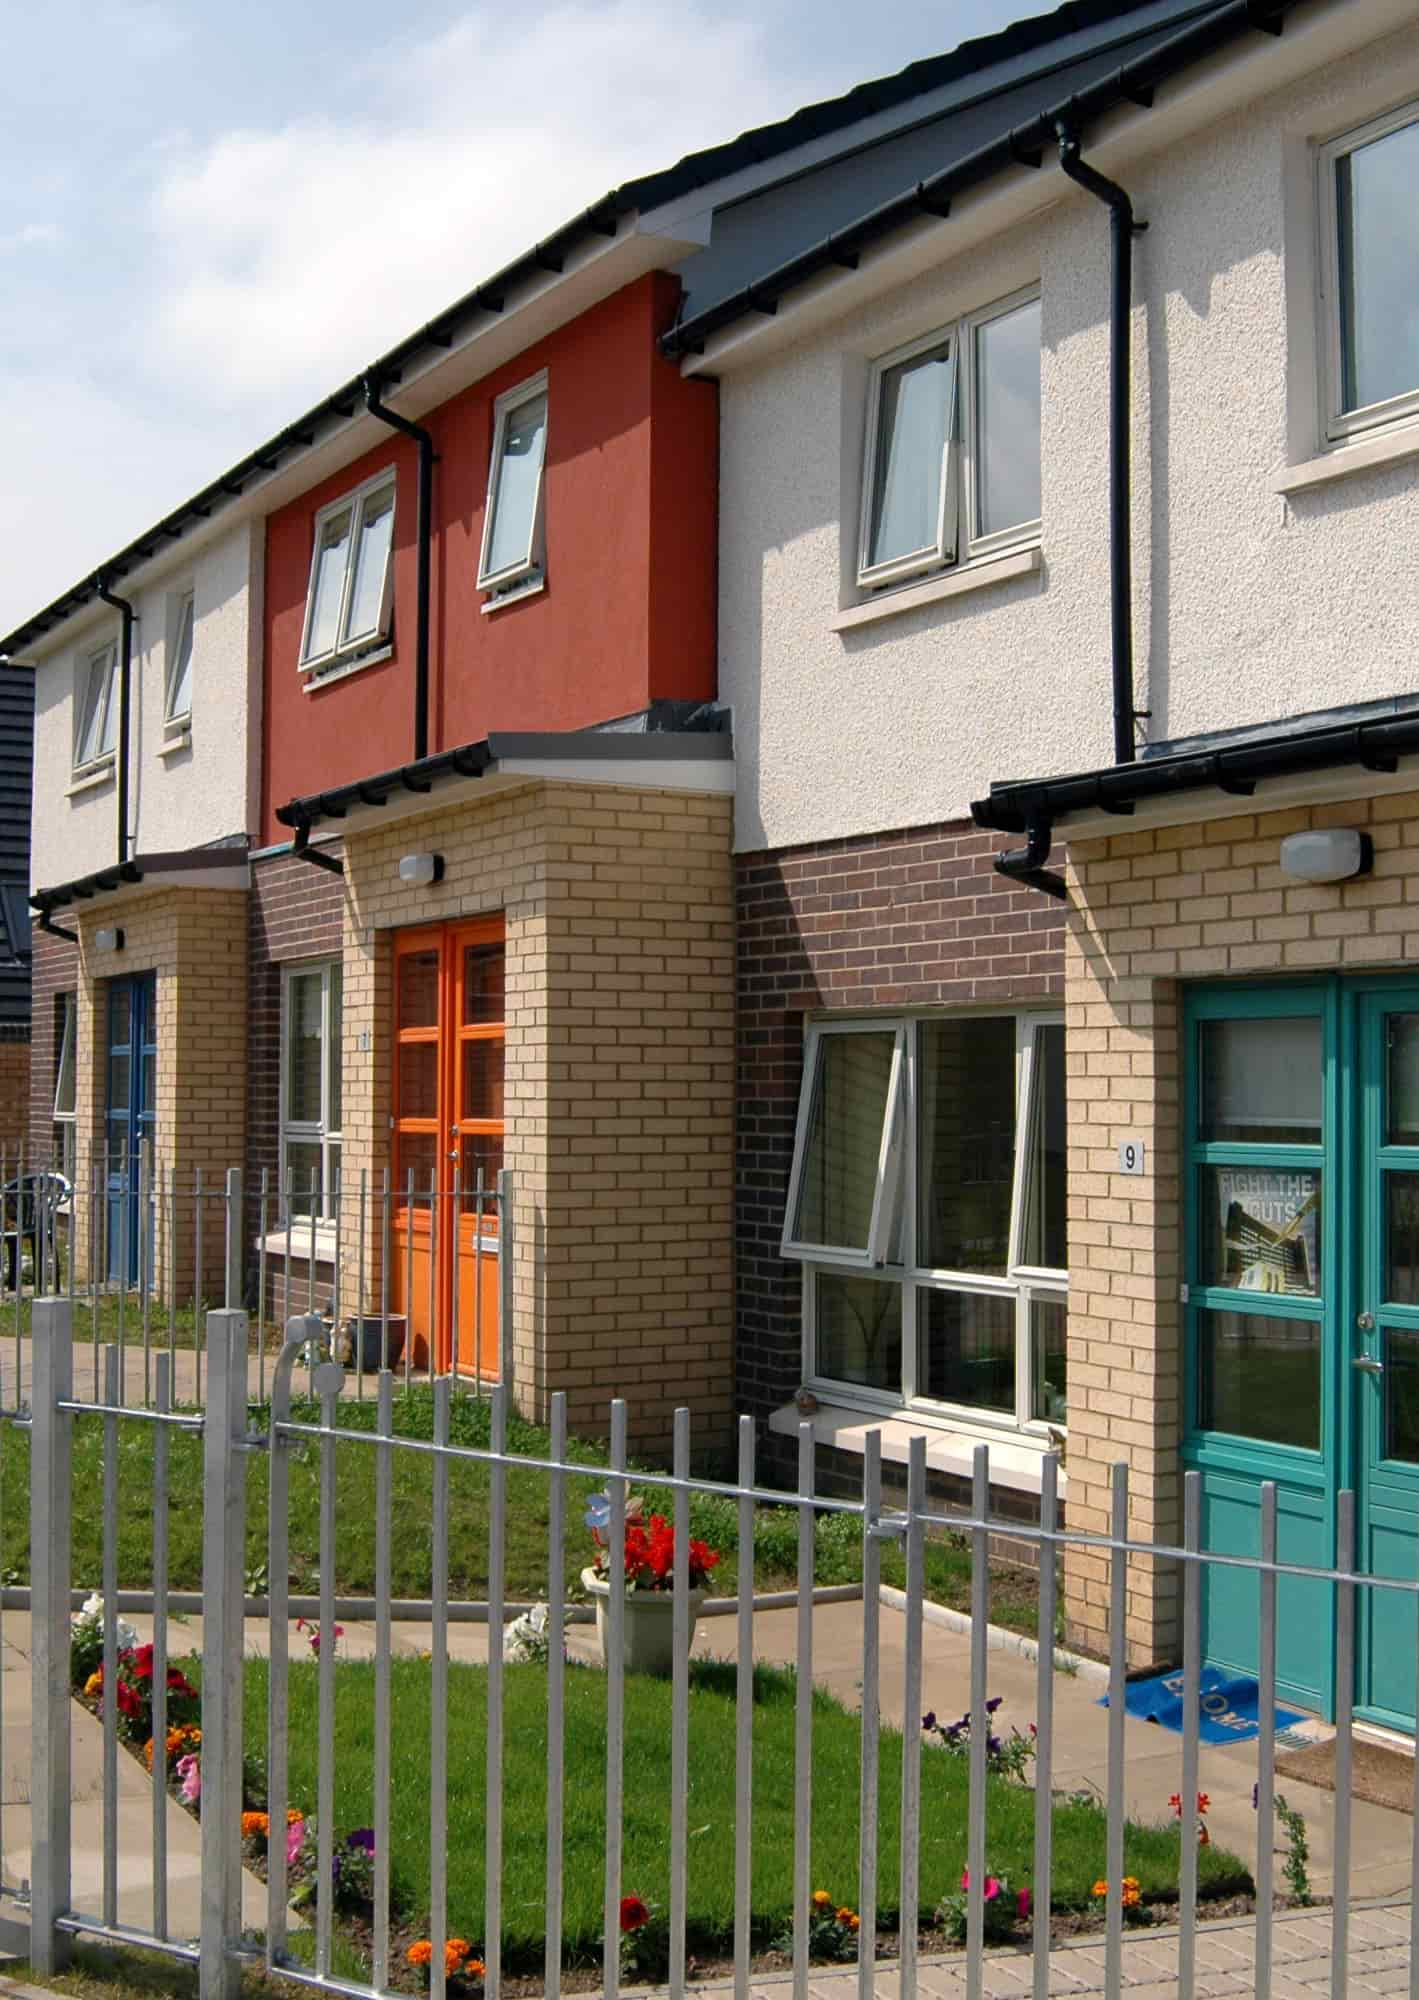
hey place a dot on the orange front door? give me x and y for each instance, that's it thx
(448, 1136)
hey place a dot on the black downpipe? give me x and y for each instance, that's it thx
(125, 676)
(1026, 864)
(47, 923)
(423, 529)
(317, 856)
(1123, 229)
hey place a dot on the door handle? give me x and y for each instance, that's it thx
(1368, 1364)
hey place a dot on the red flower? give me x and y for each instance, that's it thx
(633, 1913)
(139, 1662)
(129, 1700)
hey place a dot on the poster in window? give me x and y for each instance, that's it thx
(1266, 1223)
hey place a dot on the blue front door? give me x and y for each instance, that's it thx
(130, 1117)
(1302, 1294)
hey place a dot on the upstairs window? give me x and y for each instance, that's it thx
(1370, 247)
(96, 723)
(952, 464)
(512, 557)
(927, 1208)
(177, 703)
(350, 601)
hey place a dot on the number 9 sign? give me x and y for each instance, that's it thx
(1130, 1156)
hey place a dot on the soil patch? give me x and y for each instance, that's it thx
(1384, 1777)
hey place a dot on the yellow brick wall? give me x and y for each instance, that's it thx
(195, 942)
(618, 1100)
(1148, 911)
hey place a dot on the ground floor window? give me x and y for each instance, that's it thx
(310, 1088)
(65, 1108)
(927, 1208)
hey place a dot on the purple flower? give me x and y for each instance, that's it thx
(1256, 1795)
(928, 1721)
(994, 1703)
(363, 1836)
(993, 1745)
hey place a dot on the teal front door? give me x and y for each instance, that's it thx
(1385, 1348)
(1301, 1283)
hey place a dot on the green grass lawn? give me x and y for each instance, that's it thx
(112, 1319)
(1151, 1853)
(838, 1541)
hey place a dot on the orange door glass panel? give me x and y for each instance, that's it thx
(448, 1124)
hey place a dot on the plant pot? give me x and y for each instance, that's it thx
(648, 1635)
(365, 1342)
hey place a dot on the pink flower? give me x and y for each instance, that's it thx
(295, 1838)
(189, 1769)
(992, 1888)
(1022, 1904)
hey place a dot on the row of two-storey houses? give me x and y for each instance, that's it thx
(861, 748)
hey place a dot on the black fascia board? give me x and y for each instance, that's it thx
(1133, 83)
(1236, 767)
(103, 881)
(468, 760)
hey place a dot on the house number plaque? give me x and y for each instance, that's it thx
(1130, 1156)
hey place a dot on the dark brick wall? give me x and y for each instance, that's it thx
(54, 970)
(911, 919)
(296, 911)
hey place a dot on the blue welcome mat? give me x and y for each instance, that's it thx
(1228, 1703)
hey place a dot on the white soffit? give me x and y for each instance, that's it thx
(1198, 808)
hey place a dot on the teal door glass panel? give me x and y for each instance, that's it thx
(130, 1118)
(1383, 1337)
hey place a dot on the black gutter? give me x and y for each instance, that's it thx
(125, 675)
(1122, 230)
(469, 760)
(1133, 83)
(1237, 768)
(423, 530)
(103, 881)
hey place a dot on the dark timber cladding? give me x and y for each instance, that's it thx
(887, 921)
(16, 763)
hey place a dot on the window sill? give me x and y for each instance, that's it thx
(955, 583)
(514, 594)
(89, 777)
(316, 678)
(1014, 1460)
(1390, 447)
(178, 740)
(274, 1242)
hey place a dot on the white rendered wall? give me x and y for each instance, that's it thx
(1249, 606)
(180, 794)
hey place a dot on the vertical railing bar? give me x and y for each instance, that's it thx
(125, 1252)
(172, 1276)
(1192, 1731)
(455, 1258)
(435, 1330)
(288, 1303)
(199, 1268)
(112, 1358)
(478, 1281)
(909, 1834)
(223, 1570)
(615, 1701)
(1117, 1776)
(556, 1692)
(325, 1675)
(409, 1289)
(51, 1508)
(98, 1224)
(980, 1722)
(1266, 1741)
(337, 1196)
(1044, 1727)
(145, 1280)
(383, 1646)
(317, 1199)
(744, 1718)
(438, 1718)
(1344, 1740)
(507, 1253)
(160, 1650)
(869, 1772)
(497, 1595)
(679, 1703)
(358, 1316)
(384, 1276)
(19, 1219)
(278, 1629)
(803, 1716)
(265, 1221)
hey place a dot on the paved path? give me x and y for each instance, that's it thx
(139, 1376)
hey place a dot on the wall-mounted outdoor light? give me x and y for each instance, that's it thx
(108, 940)
(421, 869)
(1327, 854)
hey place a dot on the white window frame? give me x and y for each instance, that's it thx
(886, 1198)
(66, 1070)
(958, 539)
(530, 567)
(84, 681)
(1023, 1283)
(1337, 423)
(306, 1131)
(357, 502)
(183, 608)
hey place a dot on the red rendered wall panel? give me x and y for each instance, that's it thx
(628, 612)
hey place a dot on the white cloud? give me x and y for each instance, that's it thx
(32, 236)
(291, 256)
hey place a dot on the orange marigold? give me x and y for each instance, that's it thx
(854, 1922)
(420, 1953)
(474, 1969)
(845, 1915)
(1099, 1889)
(148, 1753)
(293, 1813)
(821, 1899)
(455, 1954)
(93, 1686)
(255, 1825)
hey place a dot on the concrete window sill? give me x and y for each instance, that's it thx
(316, 678)
(181, 739)
(1014, 1461)
(91, 778)
(504, 600)
(1365, 455)
(274, 1242)
(955, 583)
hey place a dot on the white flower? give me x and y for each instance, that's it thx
(525, 1641)
(91, 1613)
(93, 1607)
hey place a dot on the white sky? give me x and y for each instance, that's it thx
(211, 215)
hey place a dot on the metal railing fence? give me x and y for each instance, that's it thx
(220, 1947)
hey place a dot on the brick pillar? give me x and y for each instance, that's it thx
(1125, 1243)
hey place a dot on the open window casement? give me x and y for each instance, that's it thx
(911, 482)
(350, 601)
(845, 1197)
(64, 1097)
(1037, 1236)
(98, 714)
(512, 522)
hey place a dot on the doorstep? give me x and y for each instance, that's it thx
(1013, 1465)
